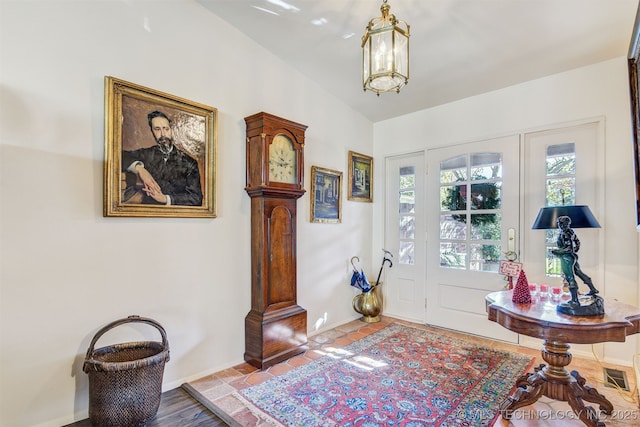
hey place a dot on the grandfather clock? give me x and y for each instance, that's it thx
(276, 326)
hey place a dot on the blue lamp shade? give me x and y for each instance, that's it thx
(581, 217)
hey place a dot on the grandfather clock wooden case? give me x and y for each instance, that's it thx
(276, 326)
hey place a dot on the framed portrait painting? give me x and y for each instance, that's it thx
(160, 154)
(360, 177)
(326, 195)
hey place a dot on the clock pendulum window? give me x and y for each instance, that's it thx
(276, 326)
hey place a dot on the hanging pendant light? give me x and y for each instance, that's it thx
(385, 53)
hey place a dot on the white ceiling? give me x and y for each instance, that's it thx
(459, 48)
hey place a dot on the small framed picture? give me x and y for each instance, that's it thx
(159, 154)
(326, 195)
(360, 177)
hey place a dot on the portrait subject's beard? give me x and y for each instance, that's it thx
(165, 143)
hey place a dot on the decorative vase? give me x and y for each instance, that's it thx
(369, 304)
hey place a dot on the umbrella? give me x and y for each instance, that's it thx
(358, 278)
(384, 259)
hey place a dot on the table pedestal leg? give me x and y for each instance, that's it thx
(554, 381)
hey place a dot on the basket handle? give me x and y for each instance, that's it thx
(131, 319)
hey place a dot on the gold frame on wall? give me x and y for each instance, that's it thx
(634, 83)
(360, 177)
(127, 131)
(326, 195)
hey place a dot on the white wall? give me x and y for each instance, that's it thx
(66, 270)
(600, 90)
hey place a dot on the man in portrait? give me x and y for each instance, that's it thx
(161, 174)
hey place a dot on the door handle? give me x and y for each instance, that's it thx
(511, 254)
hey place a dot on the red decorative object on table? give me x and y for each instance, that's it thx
(521, 293)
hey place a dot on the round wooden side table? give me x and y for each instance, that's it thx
(541, 320)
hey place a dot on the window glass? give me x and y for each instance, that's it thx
(407, 227)
(486, 195)
(453, 227)
(453, 170)
(486, 166)
(453, 255)
(485, 258)
(453, 197)
(407, 177)
(561, 159)
(485, 226)
(560, 189)
(407, 201)
(470, 217)
(407, 211)
(406, 252)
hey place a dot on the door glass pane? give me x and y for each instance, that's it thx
(551, 236)
(453, 227)
(453, 255)
(406, 252)
(407, 211)
(561, 159)
(460, 197)
(485, 257)
(407, 177)
(553, 267)
(453, 170)
(485, 226)
(453, 198)
(486, 195)
(486, 166)
(407, 227)
(407, 202)
(560, 190)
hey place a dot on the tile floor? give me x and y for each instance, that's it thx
(218, 387)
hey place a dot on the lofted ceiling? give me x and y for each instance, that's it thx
(459, 48)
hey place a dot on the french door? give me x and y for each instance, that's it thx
(451, 224)
(404, 290)
(472, 221)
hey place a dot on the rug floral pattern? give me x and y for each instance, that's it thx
(398, 376)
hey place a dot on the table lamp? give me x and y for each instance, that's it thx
(566, 218)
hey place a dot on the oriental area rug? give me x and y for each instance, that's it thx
(397, 376)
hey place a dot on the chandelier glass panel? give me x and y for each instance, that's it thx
(385, 53)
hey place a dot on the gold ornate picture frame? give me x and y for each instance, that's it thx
(326, 195)
(360, 177)
(160, 153)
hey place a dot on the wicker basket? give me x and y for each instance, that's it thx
(125, 380)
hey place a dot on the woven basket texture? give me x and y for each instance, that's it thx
(125, 382)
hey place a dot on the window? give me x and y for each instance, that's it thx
(407, 214)
(560, 190)
(470, 212)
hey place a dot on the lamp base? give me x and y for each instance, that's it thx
(592, 305)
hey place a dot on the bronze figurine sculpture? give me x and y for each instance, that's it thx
(568, 247)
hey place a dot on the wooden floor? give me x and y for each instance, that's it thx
(177, 409)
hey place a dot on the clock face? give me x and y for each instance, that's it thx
(282, 160)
